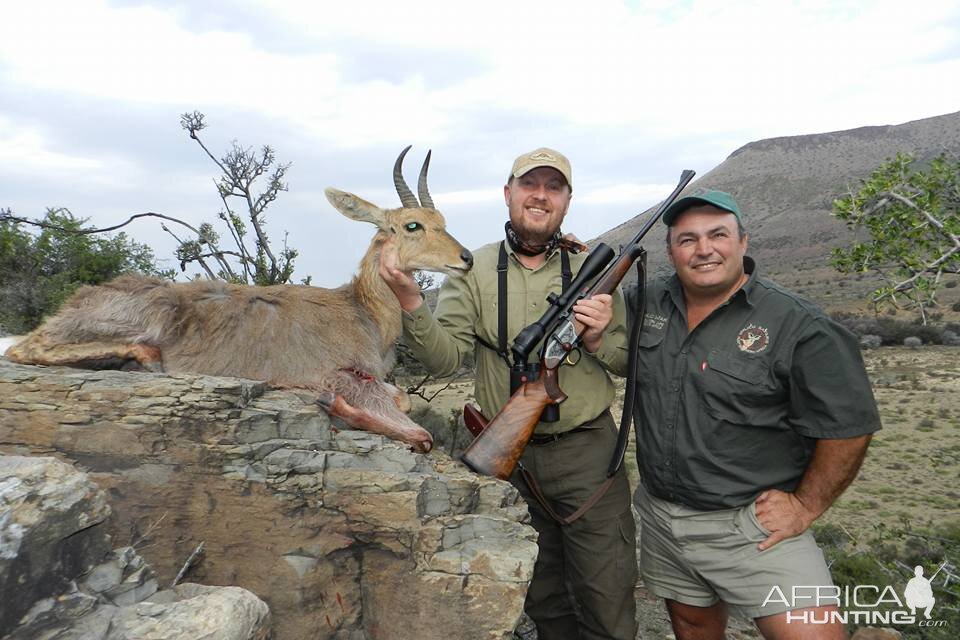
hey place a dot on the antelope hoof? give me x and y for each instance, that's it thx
(423, 444)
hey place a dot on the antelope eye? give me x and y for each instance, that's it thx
(413, 226)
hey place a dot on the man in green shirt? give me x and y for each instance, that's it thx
(753, 414)
(586, 571)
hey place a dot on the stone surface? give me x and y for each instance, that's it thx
(48, 514)
(60, 581)
(123, 578)
(344, 534)
(186, 612)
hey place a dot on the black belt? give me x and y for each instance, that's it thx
(554, 437)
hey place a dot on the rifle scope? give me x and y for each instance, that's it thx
(528, 338)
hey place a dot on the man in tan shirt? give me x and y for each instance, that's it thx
(586, 570)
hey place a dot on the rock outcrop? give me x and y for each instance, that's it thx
(59, 579)
(342, 533)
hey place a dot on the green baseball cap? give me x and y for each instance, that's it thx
(718, 199)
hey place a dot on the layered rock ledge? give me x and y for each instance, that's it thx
(344, 534)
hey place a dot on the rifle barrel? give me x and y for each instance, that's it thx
(685, 177)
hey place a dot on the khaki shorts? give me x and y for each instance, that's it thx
(702, 557)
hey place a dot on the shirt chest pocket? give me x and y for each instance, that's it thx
(648, 357)
(488, 321)
(741, 389)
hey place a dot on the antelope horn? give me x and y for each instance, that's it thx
(407, 198)
(425, 199)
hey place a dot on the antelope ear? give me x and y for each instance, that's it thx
(355, 207)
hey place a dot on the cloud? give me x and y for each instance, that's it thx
(638, 195)
(24, 150)
(490, 195)
(631, 92)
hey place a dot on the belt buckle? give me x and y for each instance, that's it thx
(547, 438)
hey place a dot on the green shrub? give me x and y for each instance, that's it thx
(887, 555)
(893, 332)
(38, 272)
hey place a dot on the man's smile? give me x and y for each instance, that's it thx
(706, 266)
(537, 211)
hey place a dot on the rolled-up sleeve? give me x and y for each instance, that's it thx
(612, 354)
(442, 341)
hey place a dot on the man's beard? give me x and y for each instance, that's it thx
(533, 236)
(523, 245)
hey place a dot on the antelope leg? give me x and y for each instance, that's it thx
(35, 349)
(396, 426)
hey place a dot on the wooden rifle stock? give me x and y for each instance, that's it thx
(497, 449)
(474, 420)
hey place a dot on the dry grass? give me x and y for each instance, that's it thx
(913, 465)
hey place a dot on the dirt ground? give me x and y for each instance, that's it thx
(911, 473)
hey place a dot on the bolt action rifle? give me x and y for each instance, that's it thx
(535, 389)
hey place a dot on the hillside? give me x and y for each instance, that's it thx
(786, 186)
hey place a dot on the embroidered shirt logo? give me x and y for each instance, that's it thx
(753, 339)
(654, 321)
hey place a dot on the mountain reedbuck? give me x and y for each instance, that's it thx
(335, 342)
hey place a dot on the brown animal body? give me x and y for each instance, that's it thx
(335, 342)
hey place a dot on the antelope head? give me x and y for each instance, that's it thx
(417, 229)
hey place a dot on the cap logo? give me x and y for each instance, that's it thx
(753, 339)
(541, 155)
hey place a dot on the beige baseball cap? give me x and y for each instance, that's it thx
(542, 157)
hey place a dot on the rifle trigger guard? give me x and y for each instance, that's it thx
(568, 360)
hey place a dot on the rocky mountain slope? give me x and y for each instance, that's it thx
(786, 187)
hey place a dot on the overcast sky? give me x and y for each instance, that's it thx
(633, 92)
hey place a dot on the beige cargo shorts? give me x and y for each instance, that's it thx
(702, 557)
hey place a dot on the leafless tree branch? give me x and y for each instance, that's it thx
(186, 565)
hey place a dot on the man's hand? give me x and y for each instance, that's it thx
(783, 515)
(400, 282)
(595, 313)
(832, 468)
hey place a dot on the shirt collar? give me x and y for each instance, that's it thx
(551, 255)
(750, 268)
